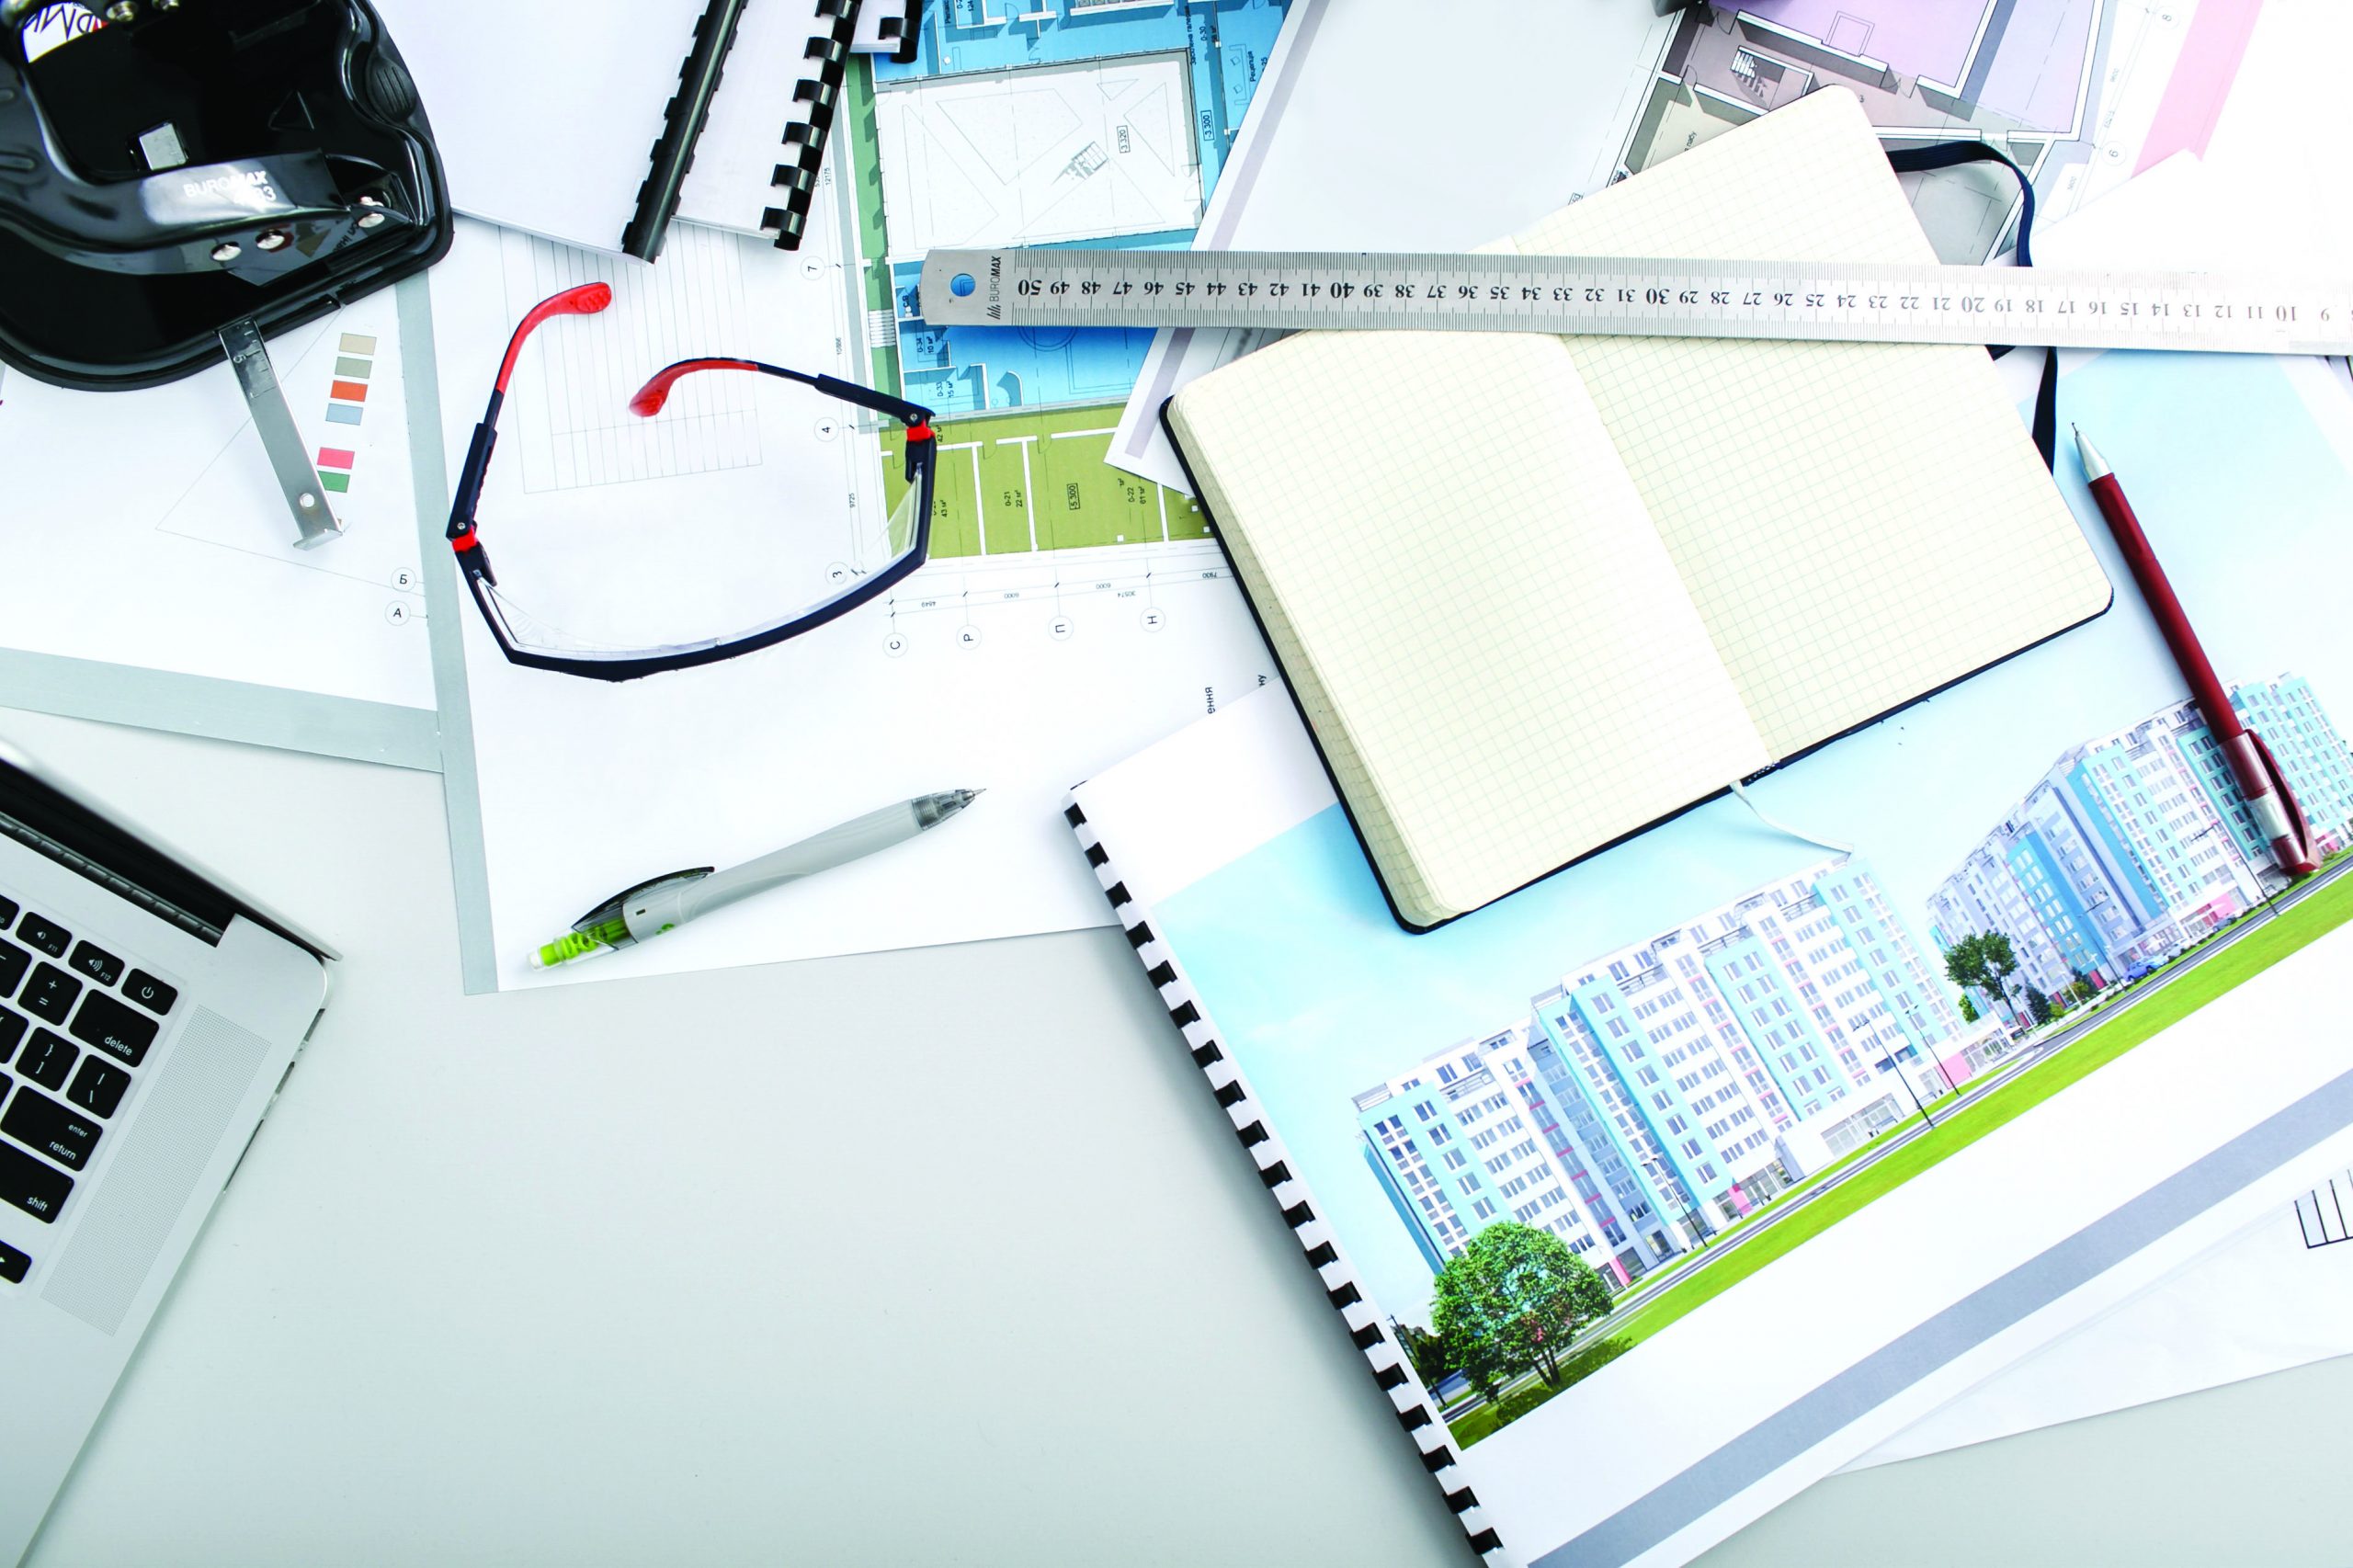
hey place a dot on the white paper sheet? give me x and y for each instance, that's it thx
(2273, 1297)
(546, 118)
(147, 530)
(1018, 673)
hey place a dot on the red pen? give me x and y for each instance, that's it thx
(2261, 784)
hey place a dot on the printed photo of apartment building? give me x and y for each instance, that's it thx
(1664, 1090)
(2135, 845)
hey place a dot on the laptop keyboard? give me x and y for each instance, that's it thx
(75, 1022)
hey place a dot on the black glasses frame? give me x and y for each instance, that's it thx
(473, 560)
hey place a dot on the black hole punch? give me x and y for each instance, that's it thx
(1365, 1338)
(1413, 1417)
(1391, 1376)
(1253, 1135)
(1162, 973)
(1138, 933)
(1230, 1095)
(1095, 855)
(1347, 1295)
(1486, 1541)
(1204, 1055)
(1463, 1499)
(1299, 1214)
(1438, 1459)
(1276, 1174)
(1184, 1014)
(1322, 1254)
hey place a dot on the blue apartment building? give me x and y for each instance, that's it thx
(1642, 1105)
(2135, 845)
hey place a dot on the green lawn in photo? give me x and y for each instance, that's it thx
(2272, 939)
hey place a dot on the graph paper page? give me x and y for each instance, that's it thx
(1490, 644)
(1858, 523)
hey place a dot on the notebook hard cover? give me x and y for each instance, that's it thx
(1496, 669)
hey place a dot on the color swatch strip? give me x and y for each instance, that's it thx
(347, 402)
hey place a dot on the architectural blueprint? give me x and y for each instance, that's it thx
(2080, 94)
(1071, 121)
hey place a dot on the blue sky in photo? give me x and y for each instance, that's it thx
(1320, 994)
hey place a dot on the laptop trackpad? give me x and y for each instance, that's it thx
(133, 1210)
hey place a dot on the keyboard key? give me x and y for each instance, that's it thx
(48, 1060)
(114, 1028)
(94, 964)
(14, 961)
(51, 939)
(34, 1185)
(98, 1087)
(149, 991)
(14, 1265)
(41, 1124)
(12, 1029)
(8, 913)
(49, 994)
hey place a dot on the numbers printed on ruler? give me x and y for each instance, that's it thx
(1637, 296)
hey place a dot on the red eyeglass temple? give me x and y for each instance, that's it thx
(655, 392)
(585, 300)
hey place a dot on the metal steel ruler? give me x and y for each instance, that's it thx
(1634, 296)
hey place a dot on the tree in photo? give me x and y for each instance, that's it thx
(1427, 1351)
(2040, 1005)
(1511, 1303)
(1983, 961)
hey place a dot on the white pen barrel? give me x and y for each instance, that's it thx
(848, 841)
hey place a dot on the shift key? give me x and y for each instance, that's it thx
(114, 1028)
(39, 1189)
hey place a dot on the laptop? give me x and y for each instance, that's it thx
(149, 1015)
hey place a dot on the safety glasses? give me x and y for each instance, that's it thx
(618, 602)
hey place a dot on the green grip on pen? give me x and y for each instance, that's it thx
(577, 944)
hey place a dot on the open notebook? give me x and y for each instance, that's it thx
(1534, 593)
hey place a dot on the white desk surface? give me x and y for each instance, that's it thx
(932, 1256)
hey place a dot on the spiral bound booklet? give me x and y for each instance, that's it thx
(576, 122)
(1676, 1181)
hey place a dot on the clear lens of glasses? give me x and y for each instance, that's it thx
(609, 582)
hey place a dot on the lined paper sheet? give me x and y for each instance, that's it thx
(1488, 638)
(1858, 523)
